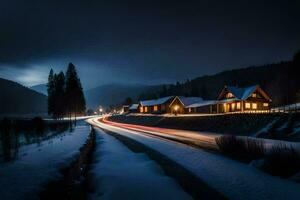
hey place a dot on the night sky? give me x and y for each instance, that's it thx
(142, 41)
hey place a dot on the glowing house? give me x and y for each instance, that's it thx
(161, 105)
(247, 99)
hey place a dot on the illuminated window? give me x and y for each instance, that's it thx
(232, 106)
(229, 95)
(141, 109)
(254, 95)
(190, 110)
(254, 105)
(176, 108)
(247, 105)
(146, 109)
(266, 104)
(155, 108)
(238, 105)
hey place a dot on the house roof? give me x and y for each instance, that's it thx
(186, 101)
(154, 102)
(133, 107)
(242, 93)
(203, 103)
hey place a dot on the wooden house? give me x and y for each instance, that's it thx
(133, 108)
(158, 106)
(204, 107)
(180, 104)
(247, 99)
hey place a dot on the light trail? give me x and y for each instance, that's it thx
(186, 137)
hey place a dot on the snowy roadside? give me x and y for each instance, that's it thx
(119, 173)
(233, 179)
(201, 139)
(40, 163)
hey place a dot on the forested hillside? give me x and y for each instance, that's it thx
(17, 99)
(281, 81)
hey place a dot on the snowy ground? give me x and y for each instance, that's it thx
(119, 173)
(39, 163)
(233, 179)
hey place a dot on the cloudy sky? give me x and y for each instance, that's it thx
(142, 41)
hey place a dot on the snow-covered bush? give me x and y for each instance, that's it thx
(282, 161)
(244, 149)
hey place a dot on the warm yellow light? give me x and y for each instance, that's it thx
(141, 109)
(233, 106)
(146, 109)
(176, 107)
(254, 105)
(155, 108)
(247, 105)
(266, 104)
(238, 105)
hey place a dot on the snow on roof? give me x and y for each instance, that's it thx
(190, 100)
(133, 107)
(242, 93)
(203, 103)
(153, 102)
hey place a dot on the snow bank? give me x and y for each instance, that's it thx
(39, 163)
(119, 173)
(233, 179)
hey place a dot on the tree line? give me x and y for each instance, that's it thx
(65, 94)
(279, 80)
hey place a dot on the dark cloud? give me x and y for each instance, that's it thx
(147, 40)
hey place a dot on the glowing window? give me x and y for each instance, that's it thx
(141, 109)
(155, 108)
(266, 104)
(190, 110)
(254, 105)
(233, 106)
(247, 105)
(238, 105)
(176, 107)
(229, 95)
(254, 95)
(146, 109)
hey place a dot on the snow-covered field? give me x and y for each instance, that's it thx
(233, 179)
(39, 163)
(119, 173)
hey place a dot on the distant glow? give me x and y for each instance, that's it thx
(254, 105)
(155, 108)
(266, 104)
(238, 105)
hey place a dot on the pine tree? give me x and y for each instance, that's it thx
(74, 98)
(50, 90)
(59, 102)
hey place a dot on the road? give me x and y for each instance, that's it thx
(233, 179)
(200, 139)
